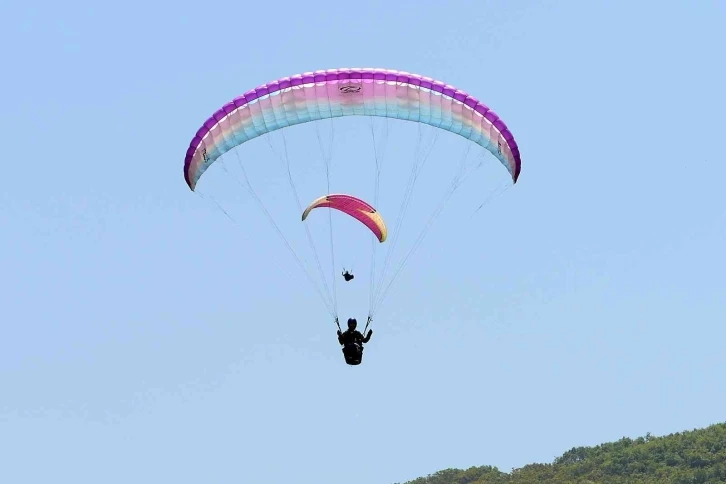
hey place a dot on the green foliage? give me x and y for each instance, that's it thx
(693, 457)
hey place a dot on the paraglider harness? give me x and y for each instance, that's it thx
(353, 352)
(347, 275)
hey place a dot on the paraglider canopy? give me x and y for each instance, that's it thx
(354, 207)
(330, 93)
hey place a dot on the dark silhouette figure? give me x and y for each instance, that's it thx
(347, 276)
(352, 341)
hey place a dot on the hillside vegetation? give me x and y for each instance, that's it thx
(692, 457)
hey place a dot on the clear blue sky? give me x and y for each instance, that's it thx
(146, 338)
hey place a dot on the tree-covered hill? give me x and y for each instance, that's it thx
(693, 457)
